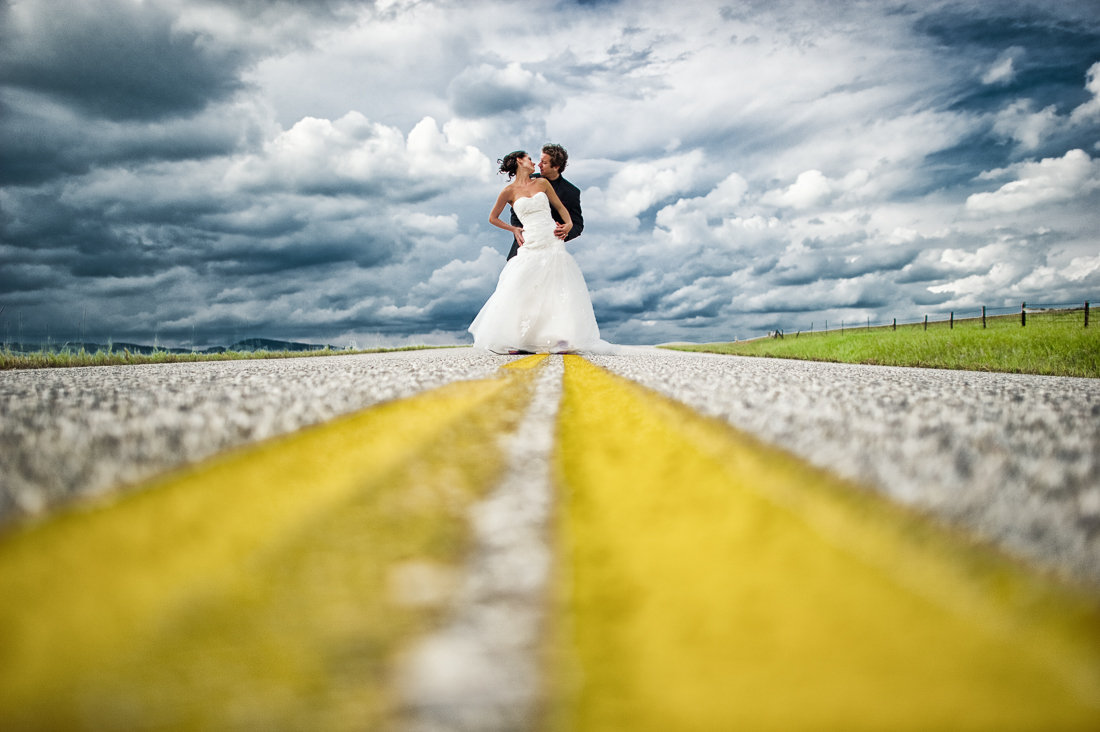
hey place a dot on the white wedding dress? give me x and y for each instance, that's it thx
(541, 303)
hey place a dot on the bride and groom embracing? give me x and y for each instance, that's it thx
(541, 302)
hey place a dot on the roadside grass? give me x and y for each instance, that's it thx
(1053, 343)
(68, 359)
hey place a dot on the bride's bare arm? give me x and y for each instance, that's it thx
(567, 223)
(504, 199)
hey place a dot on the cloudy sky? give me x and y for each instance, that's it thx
(198, 171)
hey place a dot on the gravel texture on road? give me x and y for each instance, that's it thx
(81, 432)
(1013, 458)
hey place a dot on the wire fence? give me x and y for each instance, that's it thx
(971, 316)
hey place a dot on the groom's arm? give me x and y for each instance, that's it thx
(515, 242)
(570, 197)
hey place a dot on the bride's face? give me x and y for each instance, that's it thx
(525, 165)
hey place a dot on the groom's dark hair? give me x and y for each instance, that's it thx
(558, 156)
(509, 163)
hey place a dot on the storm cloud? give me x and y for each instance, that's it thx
(196, 171)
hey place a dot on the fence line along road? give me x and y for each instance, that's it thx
(982, 313)
(701, 578)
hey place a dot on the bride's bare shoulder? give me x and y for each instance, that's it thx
(507, 193)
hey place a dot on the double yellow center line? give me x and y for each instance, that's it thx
(704, 582)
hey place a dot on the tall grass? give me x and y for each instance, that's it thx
(1054, 343)
(67, 359)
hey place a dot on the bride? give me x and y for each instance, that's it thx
(541, 304)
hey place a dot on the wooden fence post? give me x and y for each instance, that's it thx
(926, 322)
(983, 316)
(895, 323)
(1086, 313)
(952, 321)
(1023, 314)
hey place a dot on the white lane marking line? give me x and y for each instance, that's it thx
(481, 670)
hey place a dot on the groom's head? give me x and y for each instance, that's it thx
(553, 160)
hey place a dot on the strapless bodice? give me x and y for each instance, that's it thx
(538, 224)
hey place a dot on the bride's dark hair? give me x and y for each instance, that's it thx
(510, 162)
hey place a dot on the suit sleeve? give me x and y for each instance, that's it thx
(571, 198)
(514, 244)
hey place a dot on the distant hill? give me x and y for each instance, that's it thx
(267, 344)
(246, 345)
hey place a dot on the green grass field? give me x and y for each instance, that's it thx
(1054, 343)
(66, 359)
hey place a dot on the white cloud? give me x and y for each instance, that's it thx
(435, 226)
(813, 189)
(637, 187)
(717, 221)
(721, 202)
(1003, 69)
(822, 294)
(459, 284)
(1016, 277)
(809, 189)
(1050, 180)
(433, 152)
(980, 260)
(354, 153)
(1015, 269)
(487, 90)
(1082, 268)
(631, 294)
(997, 279)
(1090, 110)
(1018, 122)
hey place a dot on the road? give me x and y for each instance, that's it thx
(71, 433)
(1016, 458)
(422, 507)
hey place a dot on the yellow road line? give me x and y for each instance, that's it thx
(711, 583)
(260, 589)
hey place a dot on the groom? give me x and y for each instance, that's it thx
(551, 164)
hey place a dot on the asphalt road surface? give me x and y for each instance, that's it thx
(1014, 458)
(415, 561)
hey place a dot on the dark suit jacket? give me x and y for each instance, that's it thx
(570, 197)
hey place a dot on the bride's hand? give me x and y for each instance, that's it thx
(561, 231)
(519, 236)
